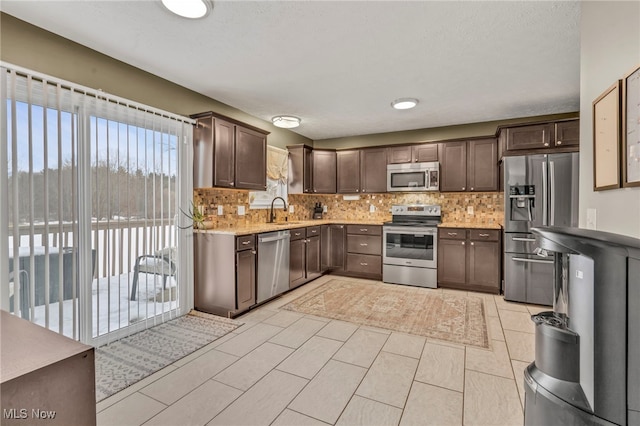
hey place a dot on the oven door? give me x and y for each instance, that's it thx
(410, 246)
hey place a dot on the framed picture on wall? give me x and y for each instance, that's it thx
(631, 128)
(606, 139)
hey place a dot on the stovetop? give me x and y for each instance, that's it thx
(415, 215)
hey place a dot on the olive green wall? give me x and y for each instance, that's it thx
(433, 134)
(31, 47)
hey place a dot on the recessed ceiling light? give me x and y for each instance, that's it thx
(286, 121)
(404, 103)
(192, 9)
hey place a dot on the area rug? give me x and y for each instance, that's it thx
(414, 310)
(129, 360)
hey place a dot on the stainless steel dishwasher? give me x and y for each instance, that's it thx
(273, 264)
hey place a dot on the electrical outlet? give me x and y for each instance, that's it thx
(220, 210)
(591, 218)
(324, 209)
(469, 209)
(291, 209)
(372, 208)
(240, 210)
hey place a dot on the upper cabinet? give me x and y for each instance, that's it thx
(324, 171)
(555, 136)
(421, 153)
(228, 154)
(469, 165)
(311, 171)
(361, 171)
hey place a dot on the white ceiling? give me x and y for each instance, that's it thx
(339, 64)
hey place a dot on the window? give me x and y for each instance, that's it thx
(277, 160)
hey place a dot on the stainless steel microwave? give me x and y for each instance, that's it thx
(413, 177)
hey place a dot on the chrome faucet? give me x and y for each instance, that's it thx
(271, 215)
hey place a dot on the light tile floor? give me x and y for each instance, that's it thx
(285, 368)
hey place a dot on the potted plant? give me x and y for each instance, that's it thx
(199, 220)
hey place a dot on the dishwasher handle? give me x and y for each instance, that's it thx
(274, 238)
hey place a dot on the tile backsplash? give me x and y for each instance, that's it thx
(486, 207)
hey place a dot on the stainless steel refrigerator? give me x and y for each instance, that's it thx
(540, 190)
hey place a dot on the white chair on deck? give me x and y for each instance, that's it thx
(162, 263)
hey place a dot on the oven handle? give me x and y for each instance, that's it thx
(410, 230)
(525, 260)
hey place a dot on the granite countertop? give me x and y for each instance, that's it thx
(257, 228)
(470, 225)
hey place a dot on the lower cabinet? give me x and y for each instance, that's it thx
(364, 251)
(224, 273)
(469, 259)
(304, 256)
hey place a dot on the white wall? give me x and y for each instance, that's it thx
(610, 48)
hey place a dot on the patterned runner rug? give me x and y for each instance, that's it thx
(414, 310)
(129, 360)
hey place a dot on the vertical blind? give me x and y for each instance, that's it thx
(94, 184)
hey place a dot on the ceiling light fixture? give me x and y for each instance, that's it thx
(192, 9)
(404, 103)
(286, 121)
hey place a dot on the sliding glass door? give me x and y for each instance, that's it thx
(91, 216)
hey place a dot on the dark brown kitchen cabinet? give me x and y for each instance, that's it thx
(348, 171)
(453, 166)
(324, 171)
(482, 165)
(421, 153)
(469, 165)
(364, 251)
(228, 153)
(550, 136)
(373, 170)
(224, 273)
(469, 259)
(332, 244)
(300, 169)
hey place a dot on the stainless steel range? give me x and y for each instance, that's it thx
(409, 245)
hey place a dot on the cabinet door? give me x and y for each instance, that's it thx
(336, 247)
(348, 171)
(373, 170)
(425, 152)
(453, 166)
(300, 169)
(324, 172)
(251, 159)
(245, 278)
(224, 154)
(297, 265)
(567, 133)
(484, 264)
(203, 153)
(451, 262)
(399, 154)
(529, 137)
(313, 258)
(482, 165)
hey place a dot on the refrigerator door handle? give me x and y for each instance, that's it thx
(545, 210)
(552, 184)
(525, 260)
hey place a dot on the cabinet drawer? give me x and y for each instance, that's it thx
(453, 233)
(364, 264)
(297, 233)
(364, 229)
(313, 231)
(245, 242)
(365, 244)
(484, 235)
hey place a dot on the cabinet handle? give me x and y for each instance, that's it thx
(546, 144)
(471, 188)
(463, 243)
(364, 229)
(231, 183)
(363, 244)
(244, 243)
(253, 252)
(472, 243)
(305, 241)
(313, 231)
(559, 143)
(357, 190)
(296, 233)
(484, 235)
(463, 188)
(452, 234)
(315, 190)
(363, 264)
